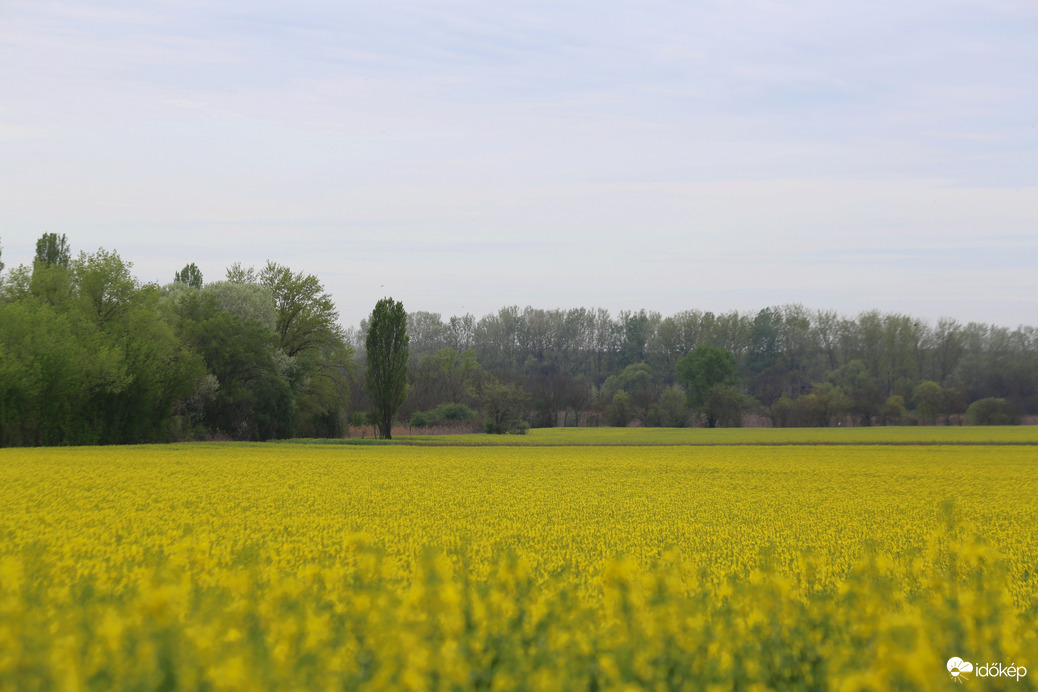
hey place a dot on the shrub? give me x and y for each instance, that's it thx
(419, 420)
(992, 411)
(452, 412)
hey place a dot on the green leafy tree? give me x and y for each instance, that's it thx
(53, 249)
(822, 406)
(162, 372)
(238, 274)
(724, 404)
(764, 347)
(306, 316)
(577, 397)
(51, 279)
(253, 400)
(54, 366)
(954, 403)
(322, 381)
(703, 369)
(894, 410)
(90, 375)
(783, 412)
(505, 407)
(929, 400)
(387, 352)
(669, 410)
(320, 362)
(637, 382)
(51, 283)
(106, 287)
(243, 300)
(619, 412)
(862, 388)
(190, 275)
(446, 376)
(633, 327)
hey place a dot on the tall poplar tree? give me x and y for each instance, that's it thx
(190, 275)
(52, 248)
(387, 350)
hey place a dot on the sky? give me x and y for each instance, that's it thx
(462, 156)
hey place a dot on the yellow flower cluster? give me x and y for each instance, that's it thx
(330, 567)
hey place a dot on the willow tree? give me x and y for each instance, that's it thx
(387, 350)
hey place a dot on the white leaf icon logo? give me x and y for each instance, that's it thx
(957, 667)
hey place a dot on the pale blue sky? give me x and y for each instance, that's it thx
(463, 156)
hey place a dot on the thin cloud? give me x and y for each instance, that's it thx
(613, 152)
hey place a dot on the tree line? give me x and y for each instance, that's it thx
(783, 365)
(91, 355)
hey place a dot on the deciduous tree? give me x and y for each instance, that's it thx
(190, 275)
(504, 408)
(703, 369)
(929, 400)
(52, 249)
(254, 400)
(307, 317)
(862, 388)
(105, 285)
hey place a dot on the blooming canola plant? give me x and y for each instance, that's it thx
(332, 566)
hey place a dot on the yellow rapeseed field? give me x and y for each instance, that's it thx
(334, 566)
